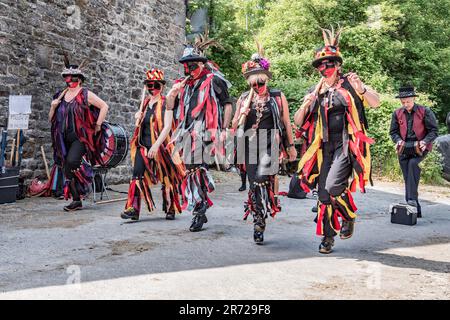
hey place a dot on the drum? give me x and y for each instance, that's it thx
(116, 149)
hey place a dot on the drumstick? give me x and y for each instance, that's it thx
(45, 162)
(141, 107)
(242, 116)
(12, 152)
(18, 144)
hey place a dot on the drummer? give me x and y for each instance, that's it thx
(151, 153)
(76, 133)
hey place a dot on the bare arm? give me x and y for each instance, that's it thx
(168, 118)
(372, 97)
(227, 115)
(300, 114)
(174, 92)
(286, 120)
(368, 94)
(94, 100)
(287, 124)
(235, 122)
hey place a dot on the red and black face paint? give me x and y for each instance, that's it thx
(154, 87)
(327, 68)
(192, 69)
(260, 86)
(72, 81)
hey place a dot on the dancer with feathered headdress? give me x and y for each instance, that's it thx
(203, 109)
(332, 120)
(76, 117)
(263, 126)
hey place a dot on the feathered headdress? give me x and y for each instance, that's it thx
(257, 64)
(197, 52)
(73, 69)
(331, 49)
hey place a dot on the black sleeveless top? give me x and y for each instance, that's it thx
(146, 134)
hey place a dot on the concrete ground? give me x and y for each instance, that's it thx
(46, 253)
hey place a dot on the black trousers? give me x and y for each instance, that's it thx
(258, 166)
(76, 151)
(411, 175)
(334, 172)
(139, 165)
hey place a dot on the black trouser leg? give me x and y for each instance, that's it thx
(139, 165)
(404, 166)
(411, 173)
(243, 178)
(340, 170)
(72, 163)
(333, 179)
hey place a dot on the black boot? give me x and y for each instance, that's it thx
(197, 222)
(170, 215)
(258, 237)
(326, 246)
(347, 229)
(258, 230)
(75, 205)
(130, 213)
(244, 182)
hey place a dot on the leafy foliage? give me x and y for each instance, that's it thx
(389, 43)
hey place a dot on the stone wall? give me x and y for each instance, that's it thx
(120, 37)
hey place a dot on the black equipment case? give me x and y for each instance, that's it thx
(9, 183)
(403, 214)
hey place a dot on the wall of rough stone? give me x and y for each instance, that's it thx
(120, 37)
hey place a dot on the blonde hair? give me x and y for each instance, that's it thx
(257, 76)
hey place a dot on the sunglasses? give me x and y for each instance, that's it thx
(326, 65)
(71, 78)
(190, 66)
(153, 85)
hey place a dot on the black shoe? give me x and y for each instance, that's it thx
(243, 187)
(170, 216)
(314, 209)
(130, 213)
(412, 203)
(347, 229)
(326, 246)
(197, 222)
(259, 227)
(258, 237)
(75, 205)
(200, 208)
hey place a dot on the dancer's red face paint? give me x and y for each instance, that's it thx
(327, 69)
(192, 69)
(71, 81)
(260, 87)
(154, 88)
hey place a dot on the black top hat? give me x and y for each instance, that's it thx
(192, 54)
(406, 92)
